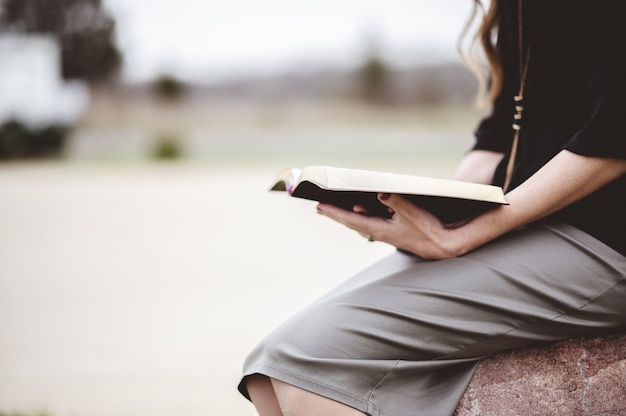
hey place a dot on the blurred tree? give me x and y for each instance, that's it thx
(84, 29)
(18, 141)
(374, 77)
(168, 87)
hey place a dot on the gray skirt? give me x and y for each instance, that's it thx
(403, 337)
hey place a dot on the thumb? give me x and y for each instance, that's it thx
(391, 200)
(396, 203)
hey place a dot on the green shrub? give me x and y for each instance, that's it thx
(167, 147)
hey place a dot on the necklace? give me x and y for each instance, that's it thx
(519, 98)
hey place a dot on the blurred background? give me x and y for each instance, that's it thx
(141, 256)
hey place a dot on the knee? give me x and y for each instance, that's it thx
(295, 401)
(258, 386)
(262, 395)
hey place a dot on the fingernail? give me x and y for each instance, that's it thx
(384, 197)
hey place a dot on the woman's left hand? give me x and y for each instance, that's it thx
(410, 228)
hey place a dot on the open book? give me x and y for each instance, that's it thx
(451, 201)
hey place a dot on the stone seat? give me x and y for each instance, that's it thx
(578, 377)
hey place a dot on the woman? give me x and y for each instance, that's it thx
(403, 337)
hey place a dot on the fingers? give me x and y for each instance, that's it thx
(360, 209)
(363, 224)
(404, 216)
(405, 211)
(342, 215)
(395, 203)
(411, 228)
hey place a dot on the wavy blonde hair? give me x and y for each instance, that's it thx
(489, 77)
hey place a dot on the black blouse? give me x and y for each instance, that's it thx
(575, 99)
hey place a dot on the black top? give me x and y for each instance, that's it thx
(575, 99)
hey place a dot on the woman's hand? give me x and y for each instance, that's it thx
(565, 179)
(410, 228)
(414, 229)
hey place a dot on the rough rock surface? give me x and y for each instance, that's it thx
(579, 377)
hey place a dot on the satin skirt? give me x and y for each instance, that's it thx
(403, 337)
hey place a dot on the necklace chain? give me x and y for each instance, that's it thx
(519, 98)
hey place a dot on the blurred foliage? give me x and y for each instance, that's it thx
(83, 28)
(23, 414)
(168, 87)
(17, 141)
(374, 80)
(167, 147)
(374, 77)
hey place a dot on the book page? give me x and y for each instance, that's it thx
(340, 179)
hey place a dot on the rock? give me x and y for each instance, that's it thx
(578, 377)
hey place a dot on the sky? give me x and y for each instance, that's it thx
(206, 40)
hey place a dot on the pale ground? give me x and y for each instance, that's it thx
(135, 289)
